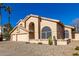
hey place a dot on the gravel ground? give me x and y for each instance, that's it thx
(8, 48)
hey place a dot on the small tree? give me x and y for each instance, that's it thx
(75, 54)
(50, 42)
(6, 34)
(75, 23)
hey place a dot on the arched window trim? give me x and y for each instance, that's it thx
(31, 30)
(46, 32)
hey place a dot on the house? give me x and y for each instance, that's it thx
(35, 29)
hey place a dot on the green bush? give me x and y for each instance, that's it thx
(39, 42)
(27, 42)
(6, 35)
(77, 48)
(50, 42)
(75, 54)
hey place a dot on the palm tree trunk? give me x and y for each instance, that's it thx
(9, 23)
(9, 18)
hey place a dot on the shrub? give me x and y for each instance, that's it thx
(39, 42)
(27, 42)
(77, 48)
(75, 54)
(50, 41)
(6, 36)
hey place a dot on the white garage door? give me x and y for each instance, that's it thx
(22, 37)
(13, 37)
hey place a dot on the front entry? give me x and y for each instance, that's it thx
(31, 31)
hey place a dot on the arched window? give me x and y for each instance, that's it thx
(66, 34)
(46, 32)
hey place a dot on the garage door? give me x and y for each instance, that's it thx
(22, 37)
(13, 37)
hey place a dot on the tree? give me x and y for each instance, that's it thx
(75, 23)
(6, 34)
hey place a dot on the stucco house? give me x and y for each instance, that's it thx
(35, 29)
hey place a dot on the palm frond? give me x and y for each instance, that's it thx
(8, 9)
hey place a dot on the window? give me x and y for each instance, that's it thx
(21, 25)
(46, 33)
(66, 34)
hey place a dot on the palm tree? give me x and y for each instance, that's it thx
(8, 9)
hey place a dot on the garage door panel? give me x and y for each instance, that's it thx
(22, 37)
(13, 37)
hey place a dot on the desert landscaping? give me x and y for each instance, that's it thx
(8, 48)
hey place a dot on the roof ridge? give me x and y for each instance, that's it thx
(69, 26)
(41, 17)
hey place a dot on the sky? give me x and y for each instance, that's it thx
(65, 12)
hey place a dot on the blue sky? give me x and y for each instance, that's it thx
(65, 12)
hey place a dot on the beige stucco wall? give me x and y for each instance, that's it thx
(18, 31)
(59, 42)
(45, 41)
(52, 25)
(76, 36)
(13, 37)
(22, 23)
(39, 41)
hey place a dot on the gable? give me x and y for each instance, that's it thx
(21, 23)
(19, 31)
